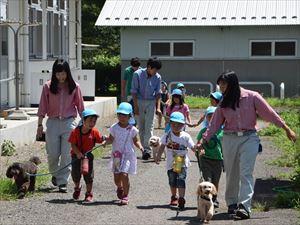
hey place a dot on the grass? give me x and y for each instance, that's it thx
(195, 102)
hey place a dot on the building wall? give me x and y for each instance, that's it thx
(216, 50)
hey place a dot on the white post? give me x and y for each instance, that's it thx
(281, 90)
(44, 28)
(26, 73)
(72, 34)
(217, 88)
(78, 38)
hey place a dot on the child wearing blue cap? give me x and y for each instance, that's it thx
(177, 143)
(211, 160)
(123, 136)
(83, 139)
(178, 105)
(215, 98)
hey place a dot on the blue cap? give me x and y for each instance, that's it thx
(177, 117)
(210, 110)
(177, 92)
(124, 108)
(217, 95)
(89, 112)
(180, 85)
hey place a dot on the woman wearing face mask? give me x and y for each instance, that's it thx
(61, 101)
(238, 112)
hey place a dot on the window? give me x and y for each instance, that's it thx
(160, 49)
(273, 48)
(35, 34)
(183, 49)
(261, 48)
(285, 48)
(172, 48)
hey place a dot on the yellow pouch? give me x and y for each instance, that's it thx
(178, 163)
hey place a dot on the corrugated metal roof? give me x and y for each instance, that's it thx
(199, 12)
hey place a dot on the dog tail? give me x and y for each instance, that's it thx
(36, 160)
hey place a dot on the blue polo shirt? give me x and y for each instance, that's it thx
(146, 88)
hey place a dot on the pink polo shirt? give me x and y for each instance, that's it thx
(62, 104)
(243, 118)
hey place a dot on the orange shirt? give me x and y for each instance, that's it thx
(85, 142)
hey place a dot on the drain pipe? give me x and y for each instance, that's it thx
(25, 94)
(78, 35)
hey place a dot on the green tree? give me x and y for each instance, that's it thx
(108, 38)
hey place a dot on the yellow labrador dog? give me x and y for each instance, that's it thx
(205, 192)
(154, 143)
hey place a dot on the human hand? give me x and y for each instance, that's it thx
(39, 131)
(136, 110)
(158, 112)
(291, 135)
(79, 155)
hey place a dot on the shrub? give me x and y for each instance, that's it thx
(8, 148)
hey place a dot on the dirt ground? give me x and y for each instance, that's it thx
(149, 194)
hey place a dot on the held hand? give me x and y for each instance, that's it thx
(158, 112)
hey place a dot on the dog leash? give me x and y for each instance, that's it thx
(50, 173)
(199, 165)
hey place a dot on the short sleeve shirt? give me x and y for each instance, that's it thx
(177, 145)
(85, 142)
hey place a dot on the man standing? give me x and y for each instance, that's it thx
(145, 92)
(127, 80)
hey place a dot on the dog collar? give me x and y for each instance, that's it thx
(205, 197)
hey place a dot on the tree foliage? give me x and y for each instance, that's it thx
(108, 38)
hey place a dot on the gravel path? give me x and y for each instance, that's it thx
(149, 195)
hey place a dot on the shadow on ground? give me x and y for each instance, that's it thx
(263, 190)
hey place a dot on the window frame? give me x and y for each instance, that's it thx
(171, 56)
(273, 43)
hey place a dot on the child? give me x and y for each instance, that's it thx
(178, 105)
(214, 98)
(211, 161)
(83, 139)
(163, 102)
(181, 87)
(123, 137)
(177, 143)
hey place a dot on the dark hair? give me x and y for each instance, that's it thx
(61, 65)
(135, 62)
(231, 97)
(154, 63)
(93, 116)
(181, 101)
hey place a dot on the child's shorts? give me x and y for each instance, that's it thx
(76, 169)
(177, 180)
(211, 169)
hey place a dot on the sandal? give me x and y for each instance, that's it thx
(124, 200)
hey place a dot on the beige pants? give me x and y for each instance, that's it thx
(58, 148)
(239, 155)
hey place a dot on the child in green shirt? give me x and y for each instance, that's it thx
(211, 161)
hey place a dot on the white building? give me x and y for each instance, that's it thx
(38, 46)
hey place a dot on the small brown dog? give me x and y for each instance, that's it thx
(154, 143)
(205, 192)
(18, 171)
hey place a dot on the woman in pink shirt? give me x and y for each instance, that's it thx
(61, 101)
(238, 112)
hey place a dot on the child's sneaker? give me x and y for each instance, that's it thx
(181, 203)
(76, 193)
(174, 200)
(124, 200)
(88, 197)
(120, 192)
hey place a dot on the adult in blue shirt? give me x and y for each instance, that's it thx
(145, 90)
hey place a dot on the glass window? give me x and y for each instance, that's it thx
(50, 3)
(160, 49)
(285, 48)
(261, 49)
(62, 4)
(49, 33)
(183, 49)
(56, 35)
